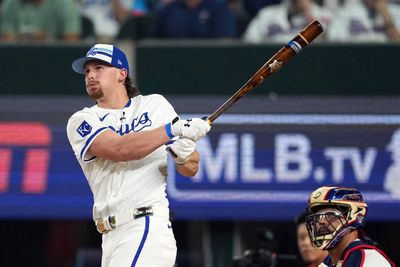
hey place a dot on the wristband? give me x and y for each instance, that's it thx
(168, 130)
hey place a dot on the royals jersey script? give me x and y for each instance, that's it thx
(122, 186)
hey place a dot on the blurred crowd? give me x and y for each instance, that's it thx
(253, 21)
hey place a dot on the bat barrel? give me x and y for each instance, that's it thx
(301, 40)
(306, 36)
(312, 31)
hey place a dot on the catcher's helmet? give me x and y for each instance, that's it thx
(342, 211)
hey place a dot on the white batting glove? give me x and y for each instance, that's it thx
(191, 128)
(182, 148)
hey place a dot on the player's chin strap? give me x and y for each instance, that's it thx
(111, 222)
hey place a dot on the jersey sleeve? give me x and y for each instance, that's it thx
(165, 106)
(82, 129)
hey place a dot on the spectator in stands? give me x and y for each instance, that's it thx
(366, 21)
(280, 23)
(200, 19)
(40, 20)
(310, 255)
(108, 15)
(253, 6)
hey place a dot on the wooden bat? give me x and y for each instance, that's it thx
(301, 40)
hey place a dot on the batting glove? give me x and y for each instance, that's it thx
(182, 148)
(193, 129)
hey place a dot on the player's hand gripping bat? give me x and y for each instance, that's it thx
(301, 40)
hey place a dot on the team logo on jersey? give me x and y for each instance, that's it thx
(84, 129)
(138, 123)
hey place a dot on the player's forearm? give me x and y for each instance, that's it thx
(191, 167)
(135, 146)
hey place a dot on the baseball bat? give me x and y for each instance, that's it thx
(300, 41)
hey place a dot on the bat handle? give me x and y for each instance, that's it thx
(207, 120)
(172, 152)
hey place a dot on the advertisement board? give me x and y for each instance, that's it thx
(253, 167)
(265, 166)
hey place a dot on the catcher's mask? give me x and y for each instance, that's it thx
(334, 212)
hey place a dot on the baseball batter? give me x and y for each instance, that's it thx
(120, 144)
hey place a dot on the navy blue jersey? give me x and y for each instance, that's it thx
(211, 19)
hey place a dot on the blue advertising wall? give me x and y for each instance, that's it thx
(265, 166)
(256, 166)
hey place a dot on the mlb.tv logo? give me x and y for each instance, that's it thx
(32, 139)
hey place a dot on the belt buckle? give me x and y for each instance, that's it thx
(140, 212)
(101, 226)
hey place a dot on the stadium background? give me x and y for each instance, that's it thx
(337, 105)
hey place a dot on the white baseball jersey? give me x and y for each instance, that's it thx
(122, 186)
(272, 24)
(354, 23)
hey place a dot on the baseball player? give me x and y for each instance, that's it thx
(120, 144)
(335, 221)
